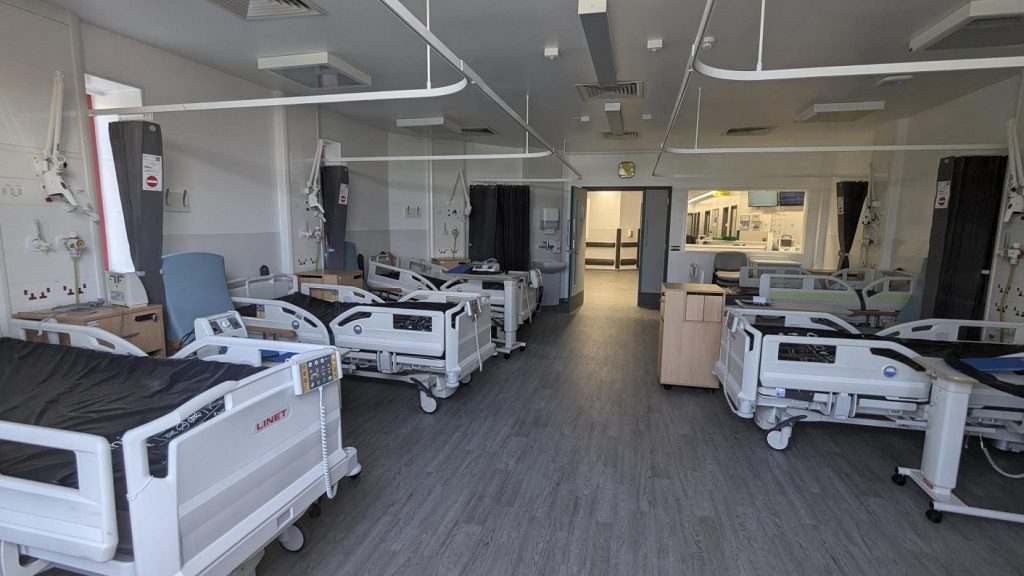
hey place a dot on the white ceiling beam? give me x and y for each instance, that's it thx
(289, 100)
(613, 110)
(961, 17)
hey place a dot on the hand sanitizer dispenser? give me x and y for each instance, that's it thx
(549, 220)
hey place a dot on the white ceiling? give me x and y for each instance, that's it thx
(504, 42)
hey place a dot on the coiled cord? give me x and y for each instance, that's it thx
(995, 466)
(476, 336)
(331, 489)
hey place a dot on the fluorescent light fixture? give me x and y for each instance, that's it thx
(613, 110)
(655, 44)
(839, 111)
(316, 70)
(647, 116)
(584, 118)
(551, 52)
(701, 197)
(594, 17)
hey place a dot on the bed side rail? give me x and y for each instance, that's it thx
(824, 290)
(270, 286)
(791, 319)
(441, 296)
(276, 318)
(233, 481)
(750, 276)
(384, 276)
(889, 293)
(952, 330)
(78, 522)
(335, 293)
(88, 337)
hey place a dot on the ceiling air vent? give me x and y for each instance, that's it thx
(264, 9)
(316, 70)
(976, 24)
(627, 135)
(620, 90)
(480, 131)
(749, 131)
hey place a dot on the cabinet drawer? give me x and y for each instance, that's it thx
(712, 309)
(145, 329)
(694, 307)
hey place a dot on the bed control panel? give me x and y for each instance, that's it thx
(316, 371)
(226, 324)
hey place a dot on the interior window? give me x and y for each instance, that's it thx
(746, 220)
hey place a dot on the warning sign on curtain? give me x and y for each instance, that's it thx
(942, 190)
(343, 195)
(152, 172)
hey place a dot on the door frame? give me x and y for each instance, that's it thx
(643, 228)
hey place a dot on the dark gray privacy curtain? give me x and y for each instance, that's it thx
(334, 185)
(499, 226)
(851, 196)
(965, 215)
(138, 151)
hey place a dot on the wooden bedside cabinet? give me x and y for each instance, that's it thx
(140, 325)
(690, 333)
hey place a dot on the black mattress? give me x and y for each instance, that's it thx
(327, 311)
(102, 394)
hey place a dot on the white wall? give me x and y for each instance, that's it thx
(226, 159)
(36, 41)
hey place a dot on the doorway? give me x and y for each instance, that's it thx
(619, 244)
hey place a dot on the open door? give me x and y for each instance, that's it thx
(577, 246)
(653, 245)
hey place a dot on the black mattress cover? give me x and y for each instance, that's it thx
(98, 393)
(327, 311)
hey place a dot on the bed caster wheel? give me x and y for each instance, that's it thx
(294, 538)
(666, 386)
(779, 439)
(934, 515)
(315, 510)
(899, 479)
(710, 391)
(523, 347)
(466, 379)
(428, 403)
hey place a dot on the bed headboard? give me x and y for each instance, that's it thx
(195, 287)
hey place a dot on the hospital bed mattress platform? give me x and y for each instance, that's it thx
(103, 394)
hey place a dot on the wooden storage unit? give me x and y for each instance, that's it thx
(332, 277)
(690, 332)
(140, 325)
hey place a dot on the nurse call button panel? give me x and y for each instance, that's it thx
(318, 372)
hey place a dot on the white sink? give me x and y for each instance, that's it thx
(549, 266)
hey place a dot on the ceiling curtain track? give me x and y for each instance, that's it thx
(694, 64)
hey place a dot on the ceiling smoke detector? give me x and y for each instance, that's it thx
(976, 24)
(839, 111)
(265, 9)
(316, 70)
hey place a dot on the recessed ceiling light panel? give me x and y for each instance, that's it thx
(316, 70)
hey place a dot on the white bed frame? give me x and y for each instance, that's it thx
(860, 387)
(889, 293)
(750, 275)
(435, 361)
(215, 510)
(392, 282)
(511, 305)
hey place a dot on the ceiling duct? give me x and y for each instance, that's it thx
(976, 24)
(264, 9)
(316, 70)
(594, 17)
(480, 131)
(619, 91)
(432, 126)
(839, 111)
(749, 131)
(613, 110)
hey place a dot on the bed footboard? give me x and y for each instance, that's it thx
(265, 287)
(951, 330)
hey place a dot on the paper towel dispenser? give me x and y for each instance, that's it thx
(549, 220)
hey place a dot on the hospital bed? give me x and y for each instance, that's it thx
(886, 294)
(780, 367)
(120, 464)
(428, 338)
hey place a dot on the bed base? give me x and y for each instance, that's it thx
(200, 518)
(858, 385)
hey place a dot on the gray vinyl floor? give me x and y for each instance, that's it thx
(569, 458)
